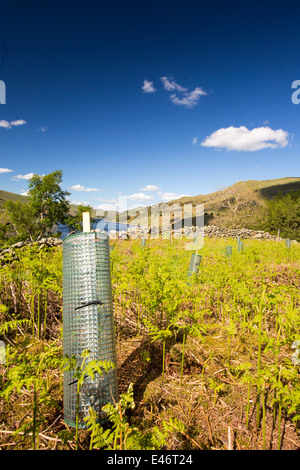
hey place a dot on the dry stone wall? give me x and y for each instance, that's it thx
(10, 254)
(210, 231)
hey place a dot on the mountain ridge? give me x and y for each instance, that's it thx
(267, 188)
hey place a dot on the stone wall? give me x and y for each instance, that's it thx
(210, 231)
(10, 253)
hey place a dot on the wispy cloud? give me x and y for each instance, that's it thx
(171, 196)
(243, 139)
(79, 203)
(148, 87)
(188, 99)
(110, 201)
(42, 129)
(150, 187)
(5, 170)
(79, 187)
(28, 176)
(18, 122)
(180, 95)
(8, 125)
(107, 206)
(140, 197)
(171, 85)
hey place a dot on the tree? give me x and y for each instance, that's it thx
(5, 225)
(21, 221)
(47, 206)
(48, 201)
(284, 214)
(240, 207)
(75, 222)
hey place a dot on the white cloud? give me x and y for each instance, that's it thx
(189, 99)
(111, 201)
(5, 124)
(185, 98)
(79, 203)
(148, 87)
(79, 187)
(18, 122)
(8, 125)
(150, 187)
(42, 128)
(171, 85)
(170, 196)
(107, 207)
(24, 192)
(28, 176)
(243, 139)
(5, 170)
(195, 140)
(140, 197)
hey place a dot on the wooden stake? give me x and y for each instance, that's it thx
(86, 222)
(230, 438)
(278, 232)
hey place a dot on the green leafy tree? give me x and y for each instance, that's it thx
(46, 207)
(284, 214)
(5, 224)
(21, 223)
(48, 201)
(75, 222)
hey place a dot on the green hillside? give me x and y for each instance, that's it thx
(8, 196)
(267, 188)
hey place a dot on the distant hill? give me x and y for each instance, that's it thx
(8, 196)
(267, 188)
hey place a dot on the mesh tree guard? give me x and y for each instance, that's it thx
(228, 251)
(194, 264)
(88, 322)
(240, 245)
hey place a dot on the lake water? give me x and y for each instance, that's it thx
(101, 224)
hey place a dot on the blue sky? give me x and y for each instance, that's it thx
(151, 100)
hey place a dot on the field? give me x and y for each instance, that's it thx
(204, 362)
